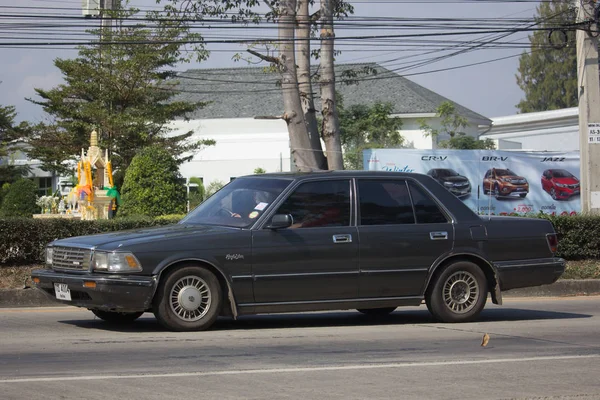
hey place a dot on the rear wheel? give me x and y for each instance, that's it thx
(377, 312)
(188, 299)
(458, 293)
(117, 317)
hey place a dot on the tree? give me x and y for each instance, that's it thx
(213, 188)
(259, 170)
(153, 185)
(548, 76)
(197, 195)
(9, 143)
(293, 64)
(20, 200)
(464, 142)
(123, 89)
(331, 124)
(452, 124)
(363, 127)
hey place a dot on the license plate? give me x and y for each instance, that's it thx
(62, 291)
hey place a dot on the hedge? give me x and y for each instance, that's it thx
(22, 240)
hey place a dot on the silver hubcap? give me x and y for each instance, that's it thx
(461, 292)
(190, 298)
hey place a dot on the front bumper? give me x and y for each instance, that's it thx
(111, 292)
(527, 273)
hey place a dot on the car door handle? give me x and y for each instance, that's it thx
(438, 235)
(342, 238)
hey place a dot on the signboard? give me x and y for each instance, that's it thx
(493, 181)
(594, 133)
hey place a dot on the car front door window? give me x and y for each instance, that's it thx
(319, 204)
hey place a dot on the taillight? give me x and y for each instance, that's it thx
(552, 242)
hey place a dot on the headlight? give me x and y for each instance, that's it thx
(49, 251)
(560, 184)
(115, 262)
(449, 184)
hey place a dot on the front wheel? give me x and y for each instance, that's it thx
(115, 317)
(188, 299)
(377, 312)
(458, 293)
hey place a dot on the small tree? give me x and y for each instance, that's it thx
(20, 200)
(153, 185)
(363, 127)
(213, 188)
(259, 170)
(197, 196)
(464, 142)
(452, 124)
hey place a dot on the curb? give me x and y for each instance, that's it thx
(561, 288)
(30, 297)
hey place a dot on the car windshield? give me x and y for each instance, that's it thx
(561, 173)
(444, 173)
(505, 172)
(238, 204)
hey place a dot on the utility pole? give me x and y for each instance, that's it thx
(589, 107)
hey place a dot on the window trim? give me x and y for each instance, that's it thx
(450, 218)
(262, 223)
(358, 210)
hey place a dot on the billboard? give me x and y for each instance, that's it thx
(493, 181)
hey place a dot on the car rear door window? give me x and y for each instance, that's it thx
(319, 204)
(426, 209)
(384, 202)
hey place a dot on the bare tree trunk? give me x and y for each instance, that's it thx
(331, 125)
(302, 154)
(304, 82)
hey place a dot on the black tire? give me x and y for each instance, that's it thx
(553, 194)
(115, 317)
(523, 195)
(377, 312)
(458, 293)
(196, 312)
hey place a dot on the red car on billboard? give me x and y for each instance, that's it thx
(560, 184)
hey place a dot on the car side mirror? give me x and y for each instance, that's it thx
(281, 221)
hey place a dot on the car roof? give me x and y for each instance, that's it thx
(340, 174)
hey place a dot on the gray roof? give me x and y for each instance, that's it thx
(248, 92)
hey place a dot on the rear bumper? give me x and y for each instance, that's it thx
(527, 273)
(112, 293)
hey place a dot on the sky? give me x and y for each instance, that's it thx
(489, 88)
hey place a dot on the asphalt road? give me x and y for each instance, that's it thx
(539, 348)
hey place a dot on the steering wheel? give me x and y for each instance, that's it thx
(227, 213)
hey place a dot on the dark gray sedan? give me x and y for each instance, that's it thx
(274, 243)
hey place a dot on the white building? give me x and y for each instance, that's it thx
(236, 96)
(556, 130)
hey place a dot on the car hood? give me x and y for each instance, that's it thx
(118, 239)
(566, 181)
(454, 179)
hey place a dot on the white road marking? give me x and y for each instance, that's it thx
(299, 369)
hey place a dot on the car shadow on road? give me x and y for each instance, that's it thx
(148, 323)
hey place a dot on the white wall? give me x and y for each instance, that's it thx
(243, 144)
(556, 130)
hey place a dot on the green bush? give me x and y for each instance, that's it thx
(23, 240)
(20, 200)
(578, 236)
(152, 185)
(197, 196)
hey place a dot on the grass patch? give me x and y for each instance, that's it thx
(17, 277)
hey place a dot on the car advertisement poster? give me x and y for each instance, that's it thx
(493, 181)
